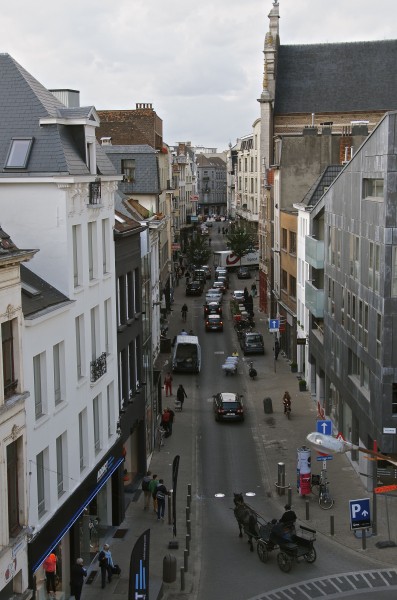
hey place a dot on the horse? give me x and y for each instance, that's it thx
(246, 518)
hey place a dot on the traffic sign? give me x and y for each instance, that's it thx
(324, 426)
(385, 488)
(324, 457)
(360, 514)
(274, 325)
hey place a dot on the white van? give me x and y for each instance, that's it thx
(187, 354)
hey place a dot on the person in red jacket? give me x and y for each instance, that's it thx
(50, 568)
(168, 384)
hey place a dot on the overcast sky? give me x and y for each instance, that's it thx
(199, 63)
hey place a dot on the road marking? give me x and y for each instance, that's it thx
(335, 586)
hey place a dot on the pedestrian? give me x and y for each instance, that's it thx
(183, 332)
(187, 277)
(152, 489)
(50, 569)
(246, 294)
(106, 563)
(253, 289)
(184, 311)
(181, 395)
(161, 493)
(78, 572)
(170, 420)
(168, 384)
(276, 349)
(165, 422)
(145, 488)
(287, 402)
(209, 241)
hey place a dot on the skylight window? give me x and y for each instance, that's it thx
(119, 219)
(29, 290)
(18, 153)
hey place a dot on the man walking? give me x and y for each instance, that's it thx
(50, 567)
(181, 395)
(161, 493)
(77, 575)
(106, 563)
(168, 384)
(152, 489)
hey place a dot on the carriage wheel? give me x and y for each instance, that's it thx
(262, 552)
(284, 562)
(311, 556)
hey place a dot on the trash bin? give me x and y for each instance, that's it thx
(165, 345)
(268, 406)
(169, 568)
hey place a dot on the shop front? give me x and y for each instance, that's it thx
(80, 526)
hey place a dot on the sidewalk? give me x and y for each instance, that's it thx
(277, 440)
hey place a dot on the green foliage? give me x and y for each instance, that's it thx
(197, 251)
(240, 241)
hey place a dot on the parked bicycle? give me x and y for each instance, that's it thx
(320, 488)
(160, 435)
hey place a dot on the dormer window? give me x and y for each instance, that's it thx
(18, 153)
(128, 170)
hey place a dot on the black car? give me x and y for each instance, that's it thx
(194, 288)
(252, 343)
(243, 273)
(228, 407)
(212, 308)
(213, 323)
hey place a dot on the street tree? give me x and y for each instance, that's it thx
(241, 241)
(197, 251)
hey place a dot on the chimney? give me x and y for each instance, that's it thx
(70, 98)
(106, 141)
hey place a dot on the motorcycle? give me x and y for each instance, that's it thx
(252, 372)
(287, 408)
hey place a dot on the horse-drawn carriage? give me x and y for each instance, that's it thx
(274, 535)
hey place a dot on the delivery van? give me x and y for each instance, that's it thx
(227, 259)
(187, 354)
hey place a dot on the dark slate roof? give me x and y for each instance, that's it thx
(147, 180)
(345, 77)
(9, 252)
(47, 296)
(324, 181)
(57, 149)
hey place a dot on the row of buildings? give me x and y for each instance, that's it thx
(317, 180)
(95, 211)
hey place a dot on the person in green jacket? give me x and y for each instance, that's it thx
(152, 489)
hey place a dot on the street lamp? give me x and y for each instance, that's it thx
(323, 442)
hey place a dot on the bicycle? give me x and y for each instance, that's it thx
(320, 488)
(160, 435)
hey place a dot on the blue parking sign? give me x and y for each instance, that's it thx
(360, 514)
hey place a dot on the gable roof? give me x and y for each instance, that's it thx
(344, 77)
(317, 190)
(9, 252)
(42, 296)
(57, 148)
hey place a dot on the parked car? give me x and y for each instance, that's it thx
(243, 273)
(213, 323)
(212, 308)
(238, 295)
(194, 288)
(228, 407)
(252, 343)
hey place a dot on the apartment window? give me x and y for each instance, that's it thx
(121, 300)
(13, 488)
(129, 301)
(354, 315)
(97, 431)
(379, 332)
(110, 409)
(128, 169)
(331, 297)
(91, 253)
(394, 272)
(284, 280)
(58, 360)
(371, 267)
(60, 465)
(284, 239)
(41, 482)
(108, 320)
(105, 246)
(7, 342)
(94, 333)
(348, 310)
(360, 320)
(79, 323)
(76, 243)
(365, 326)
(82, 438)
(292, 286)
(377, 267)
(39, 384)
(342, 308)
(292, 242)
(373, 188)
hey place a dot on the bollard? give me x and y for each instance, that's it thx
(185, 561)
(267, 406)
(289, 495)
(332, 524)
(188, 527)
(169, 568)
(189, 489)
(281, 479)
(364, 540)
(182, 579)
(188, 500)
(169, 509)
(187, 513)
(187, 537)
(307, 510)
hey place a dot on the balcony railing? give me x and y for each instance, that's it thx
(314, 252)
(314, 300)
(95, 192)
(98, 367)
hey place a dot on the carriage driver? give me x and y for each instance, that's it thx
(289, 517)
